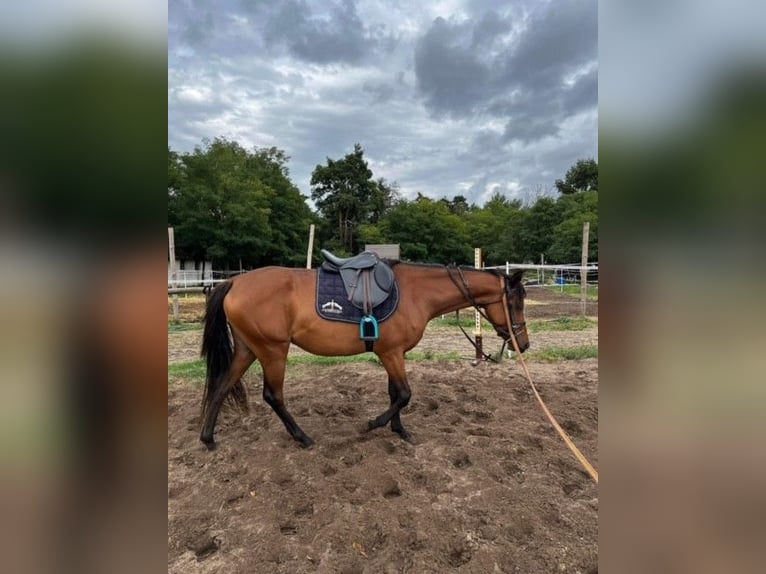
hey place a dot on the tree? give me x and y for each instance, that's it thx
(576, 209)
(289, 215)
(496, 228)
(537, 225)
(235, 206)
(175, 176)
(222, 209)
(346, 195)
(582, 176)
(427, 231)
(457, 205)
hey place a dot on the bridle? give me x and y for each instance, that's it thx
(516, 327)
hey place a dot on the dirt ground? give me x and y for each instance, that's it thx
(487, 485)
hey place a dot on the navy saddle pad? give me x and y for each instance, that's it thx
(332, 302)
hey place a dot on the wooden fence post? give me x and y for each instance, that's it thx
(477, 330)
(172, 245)
(584, 269)
(311, 246)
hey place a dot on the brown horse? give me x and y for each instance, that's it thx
(270, 308)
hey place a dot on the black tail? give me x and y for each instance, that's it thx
(217, 350)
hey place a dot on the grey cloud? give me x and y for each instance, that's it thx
(339, 36)
(190, 23)
(583, 94)
(489, 28)
(199, 30)
(559, 38)
(319, 33)
(526, 129)
(533, 115)
(380, 92)
(465, 67)
(450, 74)
(486, 67)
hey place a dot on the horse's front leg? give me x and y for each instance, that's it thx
(396, 421)
(398, 391)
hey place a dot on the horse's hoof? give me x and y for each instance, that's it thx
(306, 442)
(210, 444)
(370, 426)
(405, 435)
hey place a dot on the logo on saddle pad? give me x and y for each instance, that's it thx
(332, 307)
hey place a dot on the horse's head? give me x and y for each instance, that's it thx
(514, 297)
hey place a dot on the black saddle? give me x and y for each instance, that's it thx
(368, 280)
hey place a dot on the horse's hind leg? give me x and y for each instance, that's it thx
(232, 384)
(273, 384)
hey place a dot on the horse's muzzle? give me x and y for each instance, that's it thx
(503, 334)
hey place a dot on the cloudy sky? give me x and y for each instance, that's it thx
(450, 97)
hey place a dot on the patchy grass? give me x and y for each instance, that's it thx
(179, 327)
(562, 324)
(466, 320)
(574, 290)
(195, 370)
(189, 370)
(559, 324)
(565, 354)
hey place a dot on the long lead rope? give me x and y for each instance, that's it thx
(565, 437)
(568, 441)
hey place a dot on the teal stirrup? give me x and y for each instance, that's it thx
(368, 328)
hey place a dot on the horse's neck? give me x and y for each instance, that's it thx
(442, 295)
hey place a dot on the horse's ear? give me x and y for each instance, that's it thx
(516, 276)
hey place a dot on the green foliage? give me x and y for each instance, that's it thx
(230, 205)
(537, 225)
(234, 206)
(566, 246)
(347, 197)
(496, 228)
(427, 231)
(582, 176)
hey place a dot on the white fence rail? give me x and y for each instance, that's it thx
(561, 275)
(194, 279)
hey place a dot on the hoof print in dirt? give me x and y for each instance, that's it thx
(461, 461)
(460, 552)
(204, 546)
(388, 447)
(391, 489)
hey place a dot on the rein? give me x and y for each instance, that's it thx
(466, 292)
(514, 328)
